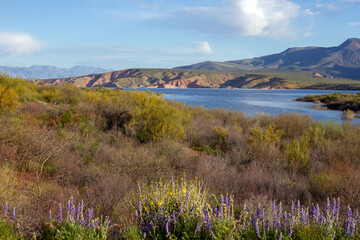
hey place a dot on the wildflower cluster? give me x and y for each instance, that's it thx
(179, 208)
(77, 222)
(170, 209)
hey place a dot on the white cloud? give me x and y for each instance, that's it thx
(242, 17)
(353, 24)
(203, 47)
(17, 43)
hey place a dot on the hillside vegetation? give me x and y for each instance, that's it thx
(335, 101)
(174, 78)
(162, 170)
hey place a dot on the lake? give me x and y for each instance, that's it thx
(252, 101)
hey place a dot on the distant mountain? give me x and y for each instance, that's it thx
(177, 78)
(342, 61)
(46, 72)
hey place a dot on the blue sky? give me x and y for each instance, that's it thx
(120, 34)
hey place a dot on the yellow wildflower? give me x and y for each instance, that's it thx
(146, 208)
(184, 190)
(159, 203)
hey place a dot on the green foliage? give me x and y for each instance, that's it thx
(7, 230)
(269, 136)
(335, 101)
(298, 154)
(68, 230)
(8, 99)
(154, 119)
(208, 149)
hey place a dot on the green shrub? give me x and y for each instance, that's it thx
(7, 230)
(270, 135)
(8, 99)
(298, 154)
(154, 119)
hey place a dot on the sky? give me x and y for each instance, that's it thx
(121, 34)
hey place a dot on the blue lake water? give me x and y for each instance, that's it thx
(253, 101)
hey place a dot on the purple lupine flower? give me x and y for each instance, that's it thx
(226, 200)
(333, 236)
(273, 207)
(291, 227)
(96, 223)
(181, 208)
(298, 209)
(73, 209)
(318, 216)
(349, 213)
(334, 209)
(140, 208)
(82, 207)
(307, 215)
(90, 215)
(229, 236)
(352, 228)
(292, 208)
(167, 226)
(230, 201)
(258, 212)
(267, 224)
(257, 229)
(281, 236)
(221, 199)
(280, 211)
(357, 217)
(347, 228)
(197, 230)
(136, 215)
(215, 211)
(6, 208)
(221, 213)
(275, 222)
(303, 218)
(154, 217)
(78, 212)
(286, 219)
(59, 217)
(50, 216)
(174, 218)
(338, 208)
(327, 231)
(313, 211)
(68, 209)
(328, 209)
(187, 197)
(262, 216)
(13, 214)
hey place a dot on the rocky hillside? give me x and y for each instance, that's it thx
(173, 78)
(341, 61)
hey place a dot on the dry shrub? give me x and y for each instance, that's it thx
(200, 131)
(293, 124)
(179, 157)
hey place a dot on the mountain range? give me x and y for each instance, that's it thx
(305, 67)
(46, 72)
(342, 61)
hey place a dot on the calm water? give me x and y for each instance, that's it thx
(253, 101)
